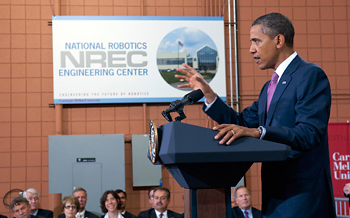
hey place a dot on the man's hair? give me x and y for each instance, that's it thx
(104, 199)
(120, 191)
(275, 23)
(239, 187)
(18, 201)
(163, 189)
(149, 192)
(71, 199)
(78, 190)
(31, 190)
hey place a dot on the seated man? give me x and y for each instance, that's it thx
(20, 207)
(81, 194)
(123, 212)
(244, 202)
(32, 196)
(161, 200)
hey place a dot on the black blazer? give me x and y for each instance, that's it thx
(87, 215)
(237, 213)
(45, 213)
(348, 197)
(152, 214)
(2, 216)
(129, 215)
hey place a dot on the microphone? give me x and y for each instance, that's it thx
(178, 105)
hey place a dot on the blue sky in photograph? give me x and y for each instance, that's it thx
(191, 38)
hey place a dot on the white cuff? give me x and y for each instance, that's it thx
(209, 105)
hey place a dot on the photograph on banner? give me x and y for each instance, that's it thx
(133, 59)
(199, 52)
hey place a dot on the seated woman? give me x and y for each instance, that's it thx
(70, 206)
(110, 205)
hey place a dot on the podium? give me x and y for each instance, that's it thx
(198, 162)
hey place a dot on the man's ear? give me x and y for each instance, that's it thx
(280, 41)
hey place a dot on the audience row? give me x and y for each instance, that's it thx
(112, 205)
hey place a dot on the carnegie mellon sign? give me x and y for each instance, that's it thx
(339, 151)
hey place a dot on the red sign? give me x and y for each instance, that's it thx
(339, 153)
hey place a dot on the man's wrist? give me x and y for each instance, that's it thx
(208, 105)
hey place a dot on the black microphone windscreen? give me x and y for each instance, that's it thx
(195, 95)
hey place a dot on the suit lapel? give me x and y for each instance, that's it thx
(263, 104)
(153, 214)
(281, 87)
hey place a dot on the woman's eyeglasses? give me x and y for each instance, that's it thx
(70, 207)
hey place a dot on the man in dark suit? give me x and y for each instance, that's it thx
(81, 194)
(243, 200)
(294, 111)
(123, 212)
(32, 196)
(161, 200)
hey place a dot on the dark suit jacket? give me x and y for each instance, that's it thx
(237, 213)
(152, 214)
(87, 215)
(298, 117)
(2, 216)
(348, 197)
(45, 213)
(129, 215)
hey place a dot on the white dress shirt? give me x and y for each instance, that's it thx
(119, 215)
(250, 214)
(158, 214)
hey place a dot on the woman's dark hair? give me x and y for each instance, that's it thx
(104, 199)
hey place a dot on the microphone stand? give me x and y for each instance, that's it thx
(179, 110)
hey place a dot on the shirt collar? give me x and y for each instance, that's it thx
(82, 213)
(35, 213)
(249, 210)
(158, 213)
(283, 66)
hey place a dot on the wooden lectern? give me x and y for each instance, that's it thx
(208, 170)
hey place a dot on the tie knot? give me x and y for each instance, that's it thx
(274, 77)
(246, 214)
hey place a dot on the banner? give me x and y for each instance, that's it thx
(339, 152)
(99, 59)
